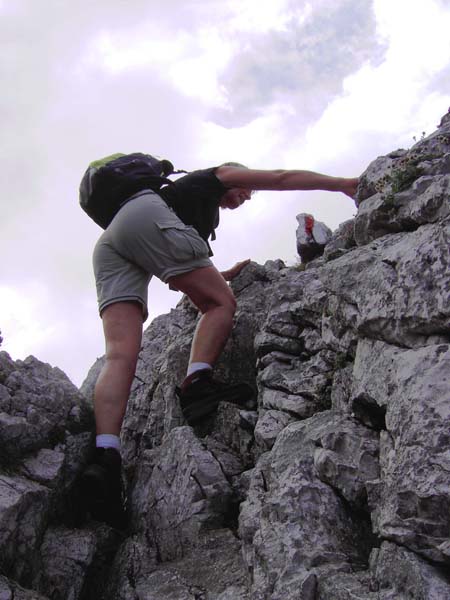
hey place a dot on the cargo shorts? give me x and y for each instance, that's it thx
(145, 238)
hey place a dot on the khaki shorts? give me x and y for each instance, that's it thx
(145, 238)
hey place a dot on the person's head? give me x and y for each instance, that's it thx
(233, 164)
(235, 197)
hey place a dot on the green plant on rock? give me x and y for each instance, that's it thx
(388, 199)
(341, 360)
(402, 178)
(421, 137)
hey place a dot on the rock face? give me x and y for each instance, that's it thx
(336, 488)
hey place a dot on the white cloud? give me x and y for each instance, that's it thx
(197, 75)
(324, 85)
(21, 310)
(249, 144)
(119, 51)
(262, 15)
(389, 98)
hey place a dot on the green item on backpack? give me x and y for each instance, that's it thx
(110, 182)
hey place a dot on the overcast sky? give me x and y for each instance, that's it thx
(327, 85)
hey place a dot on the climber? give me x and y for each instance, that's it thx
(166, 235)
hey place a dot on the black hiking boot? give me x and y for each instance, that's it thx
(100, 488)
(200, 396)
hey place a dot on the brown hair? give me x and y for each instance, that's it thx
(233, 164)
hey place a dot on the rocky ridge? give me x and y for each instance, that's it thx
(336, 488)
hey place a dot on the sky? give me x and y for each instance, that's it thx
(323, 85)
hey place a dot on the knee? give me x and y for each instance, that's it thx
(227, 303)
(119, 360)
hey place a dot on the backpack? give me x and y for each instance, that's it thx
(110, 182)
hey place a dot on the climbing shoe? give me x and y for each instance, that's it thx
(200, 396)
(101, 490)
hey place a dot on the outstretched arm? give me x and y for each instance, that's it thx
(282, 180)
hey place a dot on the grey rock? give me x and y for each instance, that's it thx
(44, 406)
(10, 590)
(228, 429)
(348, 586)
(241, 485)
(402, 191)
(298, 406)
(5, 399)
(268, 342)
(46, 467)
(211, 572)
(396, 288)
(24, 507)
(269, 425)
(339, 324)
(134, 561)
(411, 501)
(166, 585)
(342, 504)
(184, 495)
(248, 419)
(214, 569)
(341, 390)
(234, 593)
(341, 240)
(312, 237)
(306, 378)
(230, 462)
(7, 366)
(346, 457)
(65, 558)
(399, 573)
(425, 202)
(293, 524)
(88, 385)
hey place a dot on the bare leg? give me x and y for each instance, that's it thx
(209, 291)
(122, 325)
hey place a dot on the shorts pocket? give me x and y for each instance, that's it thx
(182, 242)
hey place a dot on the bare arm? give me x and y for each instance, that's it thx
(230, 274)
(281, 180)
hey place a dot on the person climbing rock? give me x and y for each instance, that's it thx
(166, 234)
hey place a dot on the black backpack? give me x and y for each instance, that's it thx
(110, 182)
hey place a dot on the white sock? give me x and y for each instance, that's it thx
(108, 440)
(197, 366)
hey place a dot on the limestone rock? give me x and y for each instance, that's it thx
(405, 189)
(43, 405)
(348, 586)
(269, 426)
(397, 571)
(24, 507)
(184, 495)
(341, 240)
(297, 524)
(65, 558)
(45, 435)
(312, 237)
(9, 590)
(396, 288)
(410, 503)
(214, 570)
(333, 487)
